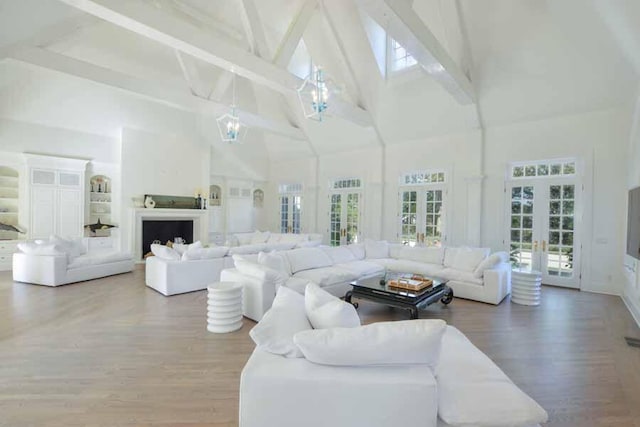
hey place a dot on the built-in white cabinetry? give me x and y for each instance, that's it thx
(56, 189)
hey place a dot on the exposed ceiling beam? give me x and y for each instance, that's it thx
(401, 22)
(156, 91)
(222, 85)
(253, 28)
(166, 29)
(293, 35)
(192, 75)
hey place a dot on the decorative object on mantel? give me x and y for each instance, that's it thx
(99, 226)
(173, 202)
(149, 203)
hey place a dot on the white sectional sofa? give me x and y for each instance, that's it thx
(254, 242)
(173, 272)
(59, 262)
(472, 272)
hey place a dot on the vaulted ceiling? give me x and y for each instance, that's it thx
(485, 63)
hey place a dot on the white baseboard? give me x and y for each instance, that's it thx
(633, 307)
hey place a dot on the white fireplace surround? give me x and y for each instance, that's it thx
(199, 217)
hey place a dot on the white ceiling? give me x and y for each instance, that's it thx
(528, 59)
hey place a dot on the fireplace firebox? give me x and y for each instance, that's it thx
(164, 230)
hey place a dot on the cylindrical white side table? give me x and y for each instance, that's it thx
(526, 286)
(224, 311)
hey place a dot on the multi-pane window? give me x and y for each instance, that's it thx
(345, 199)
(521, 230)
(422, 177)
(561, 227)
(345, 183)
(433, 233)
(547, 168)
(421, 216)
(290, 208)
(398, 57)
(335, 217)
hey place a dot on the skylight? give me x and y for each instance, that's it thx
(398, 57)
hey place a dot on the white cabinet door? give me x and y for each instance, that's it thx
(43, 212)
(69, 223)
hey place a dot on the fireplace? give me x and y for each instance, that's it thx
(197, 218)
(164, 230)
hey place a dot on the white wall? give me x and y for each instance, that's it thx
(631, 269)
(599, 139)
(165, 164)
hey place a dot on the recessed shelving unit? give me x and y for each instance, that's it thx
(9, 206)
(100, 203)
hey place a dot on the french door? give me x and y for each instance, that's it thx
(543, 218)
(290, 210)
(420, 216)
(344, 217)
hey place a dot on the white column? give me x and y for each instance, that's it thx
(473, 221)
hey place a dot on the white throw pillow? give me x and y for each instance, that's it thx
(286, 317)
(376, 249)
(384, 343)
(181, 248)
(41, 249)
(473, 391)
(357, 249)
(72, 247)
(450, 257)
(490, 262)
(165, 252)
(260, 272)
(339, 254)
(204, 253)
(395, 250)
(275, 261)
(467, 259)
(429, 255)
(307, 259)
(327, 311)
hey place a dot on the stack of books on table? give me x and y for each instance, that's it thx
(411, 282)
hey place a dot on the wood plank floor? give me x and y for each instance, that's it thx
(112, 352)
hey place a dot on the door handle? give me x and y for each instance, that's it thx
(535, 246)
(544, 246)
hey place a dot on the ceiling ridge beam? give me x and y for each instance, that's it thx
(155, 91)
(253, 28)
(164, 28)
(294, 33)
(402, 24)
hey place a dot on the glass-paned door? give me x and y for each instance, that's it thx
(344, 218)
(543, 218)
(290, 213)
(421, 220)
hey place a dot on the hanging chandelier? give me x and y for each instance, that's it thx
(314, 94)
(229, 124)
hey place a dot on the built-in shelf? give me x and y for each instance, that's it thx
(9, 193)
(100, 203)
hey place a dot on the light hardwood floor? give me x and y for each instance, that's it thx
(112, 352)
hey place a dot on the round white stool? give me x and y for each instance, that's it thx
(526, 286)
(224, 311)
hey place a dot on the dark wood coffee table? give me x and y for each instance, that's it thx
(377, 289)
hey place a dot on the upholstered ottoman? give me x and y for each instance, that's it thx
(277, 391)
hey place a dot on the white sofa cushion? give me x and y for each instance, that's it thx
(407, 266)
(247, 249)
(376, 249)
(181, 248)
(274, 238)
(287, 316)
(205, 253)
(473, 391)
(362, 268)
(460, 276)
(72, 247)
(357, 249)
(383, 343)
(293, 238)
(431, 255)
(298, 284)
(468, 259)
(450, 257)
(490, 262)
(32, 248)
(327, 311)
(278, 246)
(307, 259)
(327, 276)
(339, 254)
(275, 261)
(395, 250)
(165, 252)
